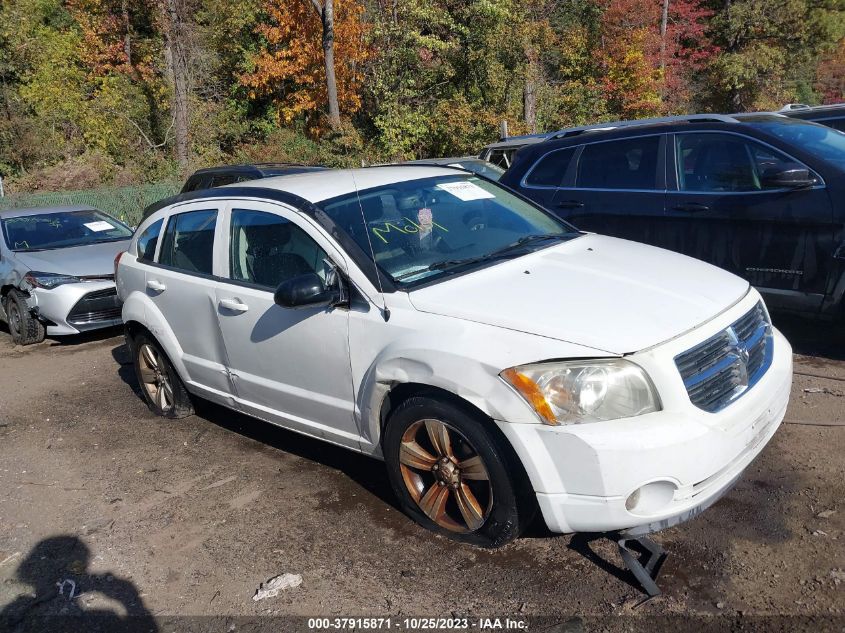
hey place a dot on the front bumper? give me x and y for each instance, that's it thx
(584, 474)
(78, 307)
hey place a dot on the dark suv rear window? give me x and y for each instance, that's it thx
(623, 164)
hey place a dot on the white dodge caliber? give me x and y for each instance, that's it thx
(498, 360)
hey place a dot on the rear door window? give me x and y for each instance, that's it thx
(624, 164)
(188, 242)
(223, 179)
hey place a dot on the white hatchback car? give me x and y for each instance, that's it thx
(497, 359)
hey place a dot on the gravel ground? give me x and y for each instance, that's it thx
(166, 519)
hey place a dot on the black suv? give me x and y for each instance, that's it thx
(229, 174)
(829, 115)
(211, 177)
(760, 195)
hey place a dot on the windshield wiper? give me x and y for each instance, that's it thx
(510, 250)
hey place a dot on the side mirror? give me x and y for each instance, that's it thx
(306, 291)
(790, 176)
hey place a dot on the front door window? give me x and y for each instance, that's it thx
(266, 249)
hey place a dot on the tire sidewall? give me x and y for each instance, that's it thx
(29, 330)
(12, 306)
(503, 523)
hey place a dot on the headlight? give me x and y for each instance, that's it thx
(49, 280)
(584, 391)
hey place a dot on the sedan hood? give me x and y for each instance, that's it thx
(92, 260)
(601, 292)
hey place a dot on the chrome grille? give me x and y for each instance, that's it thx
(725, 366)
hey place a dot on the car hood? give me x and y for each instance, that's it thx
(601, 292)
(80, 261)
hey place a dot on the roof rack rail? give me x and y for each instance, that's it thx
(720, 118)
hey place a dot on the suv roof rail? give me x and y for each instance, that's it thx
(718, 118)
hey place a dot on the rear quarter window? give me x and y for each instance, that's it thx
(550, 170)
(148, 240)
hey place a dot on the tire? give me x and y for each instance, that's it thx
(161, 388)
(24, 328)
(432, 483)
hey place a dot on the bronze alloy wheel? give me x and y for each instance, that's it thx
(155, 378)
(445, 476)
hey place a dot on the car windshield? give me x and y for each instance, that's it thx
(62, 230)
(429, 227)
(480, 167)
(824, 142)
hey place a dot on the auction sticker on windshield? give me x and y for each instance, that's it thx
(465, 190)
(100, 225)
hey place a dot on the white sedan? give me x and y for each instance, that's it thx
(497, 359)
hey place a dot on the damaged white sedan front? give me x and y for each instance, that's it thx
(57, 271)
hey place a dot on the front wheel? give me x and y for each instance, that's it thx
(161, 387)
(24, 328)
(453, 476)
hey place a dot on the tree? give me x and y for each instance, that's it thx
(326, 13)
(769, 50)
(830, 75)
(176, 49)
(292, 66)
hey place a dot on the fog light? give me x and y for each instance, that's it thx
(651, 498)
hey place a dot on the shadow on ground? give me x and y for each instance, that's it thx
(813, 338)
(60, 593)
(367, 472)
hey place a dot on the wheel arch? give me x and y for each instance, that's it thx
(402, 392)
(141, 314)
(133, 327)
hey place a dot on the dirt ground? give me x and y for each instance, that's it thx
(162, 520)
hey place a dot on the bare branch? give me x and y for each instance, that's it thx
(141, 131)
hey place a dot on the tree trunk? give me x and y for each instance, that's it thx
(529, 91)
(176, 57)
(664, 22)
(127, 30)
(328, 53)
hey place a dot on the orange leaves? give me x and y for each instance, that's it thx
(290, 66)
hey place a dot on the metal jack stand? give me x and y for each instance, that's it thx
(647, 566)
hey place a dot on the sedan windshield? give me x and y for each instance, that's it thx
(430, 227)
(824, 142)
(62, 230)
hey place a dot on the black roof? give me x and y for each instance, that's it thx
(625, 129)
(260, 169)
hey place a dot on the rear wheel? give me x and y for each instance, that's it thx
(162, 389)
(453, 476)
(24, 328)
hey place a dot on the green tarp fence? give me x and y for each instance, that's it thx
(125, 203)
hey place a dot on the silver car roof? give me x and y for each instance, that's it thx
(18, 213)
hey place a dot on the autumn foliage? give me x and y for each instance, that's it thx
(143, 90)
(290, 68)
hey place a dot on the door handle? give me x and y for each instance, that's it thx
(693, 207)
(570, 204)
(156, 285)
(234, 305)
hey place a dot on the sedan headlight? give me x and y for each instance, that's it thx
(49, 280)
(584, 391)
